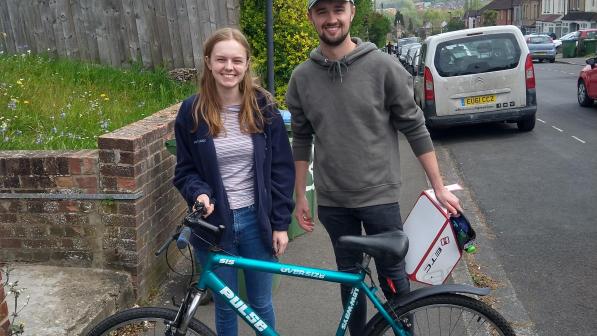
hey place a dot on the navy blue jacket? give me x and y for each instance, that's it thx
(197, 172)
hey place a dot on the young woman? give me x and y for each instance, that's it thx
(233, 155)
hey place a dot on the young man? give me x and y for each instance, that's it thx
(350, 99)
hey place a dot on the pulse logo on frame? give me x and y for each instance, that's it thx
(241, 307)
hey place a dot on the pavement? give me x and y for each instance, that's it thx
(574, 60)
(68, 301)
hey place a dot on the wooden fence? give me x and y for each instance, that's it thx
(168, 33)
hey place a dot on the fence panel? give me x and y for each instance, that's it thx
(166, 33)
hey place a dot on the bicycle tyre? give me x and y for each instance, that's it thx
(427, 314)
(137, 321)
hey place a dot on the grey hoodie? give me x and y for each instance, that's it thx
(351, 110)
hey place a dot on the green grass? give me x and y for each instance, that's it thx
(50, 103)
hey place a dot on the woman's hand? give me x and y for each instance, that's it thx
(280, 242)
(209, 207)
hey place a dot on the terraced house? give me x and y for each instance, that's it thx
(539, 16)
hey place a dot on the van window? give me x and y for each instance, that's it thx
(477, 54)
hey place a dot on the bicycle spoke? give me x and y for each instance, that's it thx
(446, 319)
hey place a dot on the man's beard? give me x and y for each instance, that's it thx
(333, 43)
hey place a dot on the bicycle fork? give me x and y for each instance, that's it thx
(187, 310)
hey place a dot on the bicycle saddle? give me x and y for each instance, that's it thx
(387, 247)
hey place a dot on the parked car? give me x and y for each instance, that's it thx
(590, 33)
(558, 42)
(587, 83)
(476, 75)
(416, 63)
(404, 51)
(541, 47)
(410, 56)
(405, 40)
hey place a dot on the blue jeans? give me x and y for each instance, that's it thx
(350, 221)
(247, 243)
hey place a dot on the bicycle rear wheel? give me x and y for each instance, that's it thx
(445, 314)
(145, 321)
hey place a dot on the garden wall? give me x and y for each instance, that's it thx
(106, 208)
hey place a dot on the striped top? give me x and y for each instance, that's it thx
(235, 160)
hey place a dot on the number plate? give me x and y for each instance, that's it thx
(478, 100)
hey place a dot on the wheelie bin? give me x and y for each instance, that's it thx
(587, 47)
(568, 49)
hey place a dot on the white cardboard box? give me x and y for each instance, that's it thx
(433, 252)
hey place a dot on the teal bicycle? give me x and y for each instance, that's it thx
(436, 310)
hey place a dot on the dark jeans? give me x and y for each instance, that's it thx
(350, 221)
(247, 243)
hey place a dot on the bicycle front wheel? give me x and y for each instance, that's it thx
(446, 314)
(146, 321)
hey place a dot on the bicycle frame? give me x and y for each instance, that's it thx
(210, 280)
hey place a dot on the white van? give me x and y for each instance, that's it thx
(476, 75)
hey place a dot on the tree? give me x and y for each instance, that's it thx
(379, 27)
(489, 18)
(398, 19)
(455, 23)
(294, 38)
(361, 21)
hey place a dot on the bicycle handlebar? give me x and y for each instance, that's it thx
(191, 221)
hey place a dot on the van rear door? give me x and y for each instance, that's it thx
(480, 72)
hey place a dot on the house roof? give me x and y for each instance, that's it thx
(580, 16)
(471, 13)
(549, 17)
(516, 3)
(498, 5)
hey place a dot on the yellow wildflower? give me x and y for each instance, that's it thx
(25, 102)
(103, 95)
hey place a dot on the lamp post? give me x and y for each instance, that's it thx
(269, 23)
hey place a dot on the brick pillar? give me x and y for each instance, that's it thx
(4, 318)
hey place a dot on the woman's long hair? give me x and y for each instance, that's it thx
(207, 108)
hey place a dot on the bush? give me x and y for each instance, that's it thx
(294, 38)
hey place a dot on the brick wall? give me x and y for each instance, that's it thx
(134, 159)
(128, 205)
(48, 230)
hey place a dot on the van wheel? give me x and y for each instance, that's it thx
(583, 98)
(552, 60)
(527, 124)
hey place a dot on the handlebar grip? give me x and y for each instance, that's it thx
(183, 238)
(162, 248)
(193, 220)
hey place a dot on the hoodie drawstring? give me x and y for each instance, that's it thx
(336, 68)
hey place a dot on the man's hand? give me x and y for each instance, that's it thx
(449, 201)
(280, 242)
(209, 207)
(303, 214)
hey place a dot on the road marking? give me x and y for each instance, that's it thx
(580, 140)
(571, 73)
(557, 129)
(541, 120)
